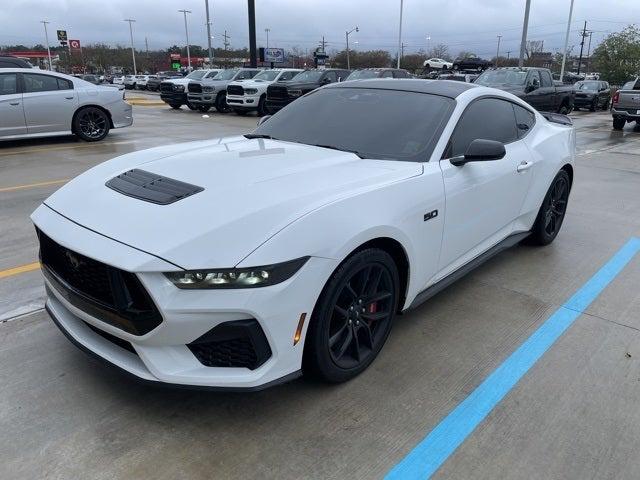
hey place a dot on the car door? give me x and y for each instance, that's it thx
(49, 103)
(483, 198)
(534, 95)
(550, 99)
(12, 120)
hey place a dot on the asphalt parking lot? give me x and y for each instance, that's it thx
(572, 415)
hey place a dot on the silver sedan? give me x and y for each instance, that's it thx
(40, 103)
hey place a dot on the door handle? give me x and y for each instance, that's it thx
(14, 103)
(69, 98)
(524, 166)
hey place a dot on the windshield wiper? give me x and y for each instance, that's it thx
(333, 147)
(259, 135)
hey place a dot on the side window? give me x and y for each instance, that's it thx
(247, 74)
(331, 76)
(546, 78)
(34, 82)
(287, 76)
(400, 74)
(534, 79)
(387, 74)
(64, 84)
(474, 125)
(8, 83)
(525, 119)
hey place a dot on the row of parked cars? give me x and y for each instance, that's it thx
(243, 90)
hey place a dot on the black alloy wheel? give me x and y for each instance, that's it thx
(353, 317)
(221, 103)
(175, 106)
(191, 106)
(91, 124)
(553, 209)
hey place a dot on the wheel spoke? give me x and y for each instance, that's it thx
(351, 290)
(345, 344)
(373, 317)
(375, 282)
(366, 275)
(366, 330)
(336, 336)
(378, 297)
(343, 312)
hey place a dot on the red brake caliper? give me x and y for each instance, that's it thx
(373, 308)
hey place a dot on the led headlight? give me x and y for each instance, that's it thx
(250, 91)
(178, 88)
(236, 277)
(295, 93)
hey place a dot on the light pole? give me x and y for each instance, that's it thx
(186, 31)
(498, 50)
(428, 38)
(267, 30)
(347, 35)
(46, 36)
(206, 6)
(400, 35)
(133, 52)
(566, 43)
(525, 26)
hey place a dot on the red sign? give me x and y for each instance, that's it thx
(175, 56)
(74, 44)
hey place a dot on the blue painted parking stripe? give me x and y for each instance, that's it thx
(423, 461)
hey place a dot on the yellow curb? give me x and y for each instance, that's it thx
(21, 269)
(33, 185)
(144, 101)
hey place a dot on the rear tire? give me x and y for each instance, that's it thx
(353, 316)
(91, 124)
(552, 211)
(618, 123)
(262, 108)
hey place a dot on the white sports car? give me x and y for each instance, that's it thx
(242, 262)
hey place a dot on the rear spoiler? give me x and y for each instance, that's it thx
(557, 118)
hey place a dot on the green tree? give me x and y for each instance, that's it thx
(617, 58)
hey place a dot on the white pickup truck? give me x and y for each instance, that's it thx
(250, 95)
(625, 105)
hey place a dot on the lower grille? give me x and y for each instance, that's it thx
(235, 90)
(112, 338)
(240, 344)
(194, 87)
(107, 293)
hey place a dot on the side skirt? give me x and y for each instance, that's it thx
(508, 242)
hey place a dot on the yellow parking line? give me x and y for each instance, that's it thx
(33, 185)
(60, 147)
(21, 269)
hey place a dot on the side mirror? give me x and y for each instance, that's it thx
(261, 120)
(480, 150)
(325, 80)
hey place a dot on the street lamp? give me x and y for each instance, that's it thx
(400, 35)
(46, 36)
(209, 37)
(428, 45)
(498, 50)
(186, 31)
(347, 35)
(267, 30)
(133, 52)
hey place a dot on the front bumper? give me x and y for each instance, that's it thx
(208, 98)
(582, 101)
(628, 114)
(174, 97)
(273, 104)
(248, 102)
(162, 355)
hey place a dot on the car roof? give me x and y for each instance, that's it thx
(443, 88)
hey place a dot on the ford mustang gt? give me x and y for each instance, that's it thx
(242, 262)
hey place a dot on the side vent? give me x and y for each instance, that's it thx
(151, 187)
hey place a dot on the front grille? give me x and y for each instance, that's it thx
(166, 87)
(235, 90)
(112, 338)
(107, 293)
(240, 344)
(195, 87)
(275, 91)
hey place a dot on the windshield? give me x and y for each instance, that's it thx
(196, 74)
(308, 76)
(225, 75)
(593, 86)
(267, 75)
(360, 74)
(502, 77)
(350, 119)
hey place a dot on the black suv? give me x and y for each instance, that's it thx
(280, 94)
(9, 61)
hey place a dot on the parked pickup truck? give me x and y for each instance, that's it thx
(283, 93)
(247, 95)
(212, 91)
(533, 85)
(174, 91)
(625, 105)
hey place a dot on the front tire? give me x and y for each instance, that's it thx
(618, 123)
(552, 211)
(175, 106)
(221, 103)
(91, 124)
(203, 108)
(353, 316)
(191, 106)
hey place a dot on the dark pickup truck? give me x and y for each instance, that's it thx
(533, 85)
(280, 94)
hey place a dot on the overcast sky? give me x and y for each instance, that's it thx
(462, 24)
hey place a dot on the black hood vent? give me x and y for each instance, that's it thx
(151, 187)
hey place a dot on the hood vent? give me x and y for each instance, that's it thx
(151, 187)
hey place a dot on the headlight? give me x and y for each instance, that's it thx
(250, 91)
(208, 89)
(295, 93)
(178, 88)
(236, 277)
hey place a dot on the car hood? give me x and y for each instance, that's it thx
(299, 85)
(252, 189)
(180, 81)
(252, 83)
